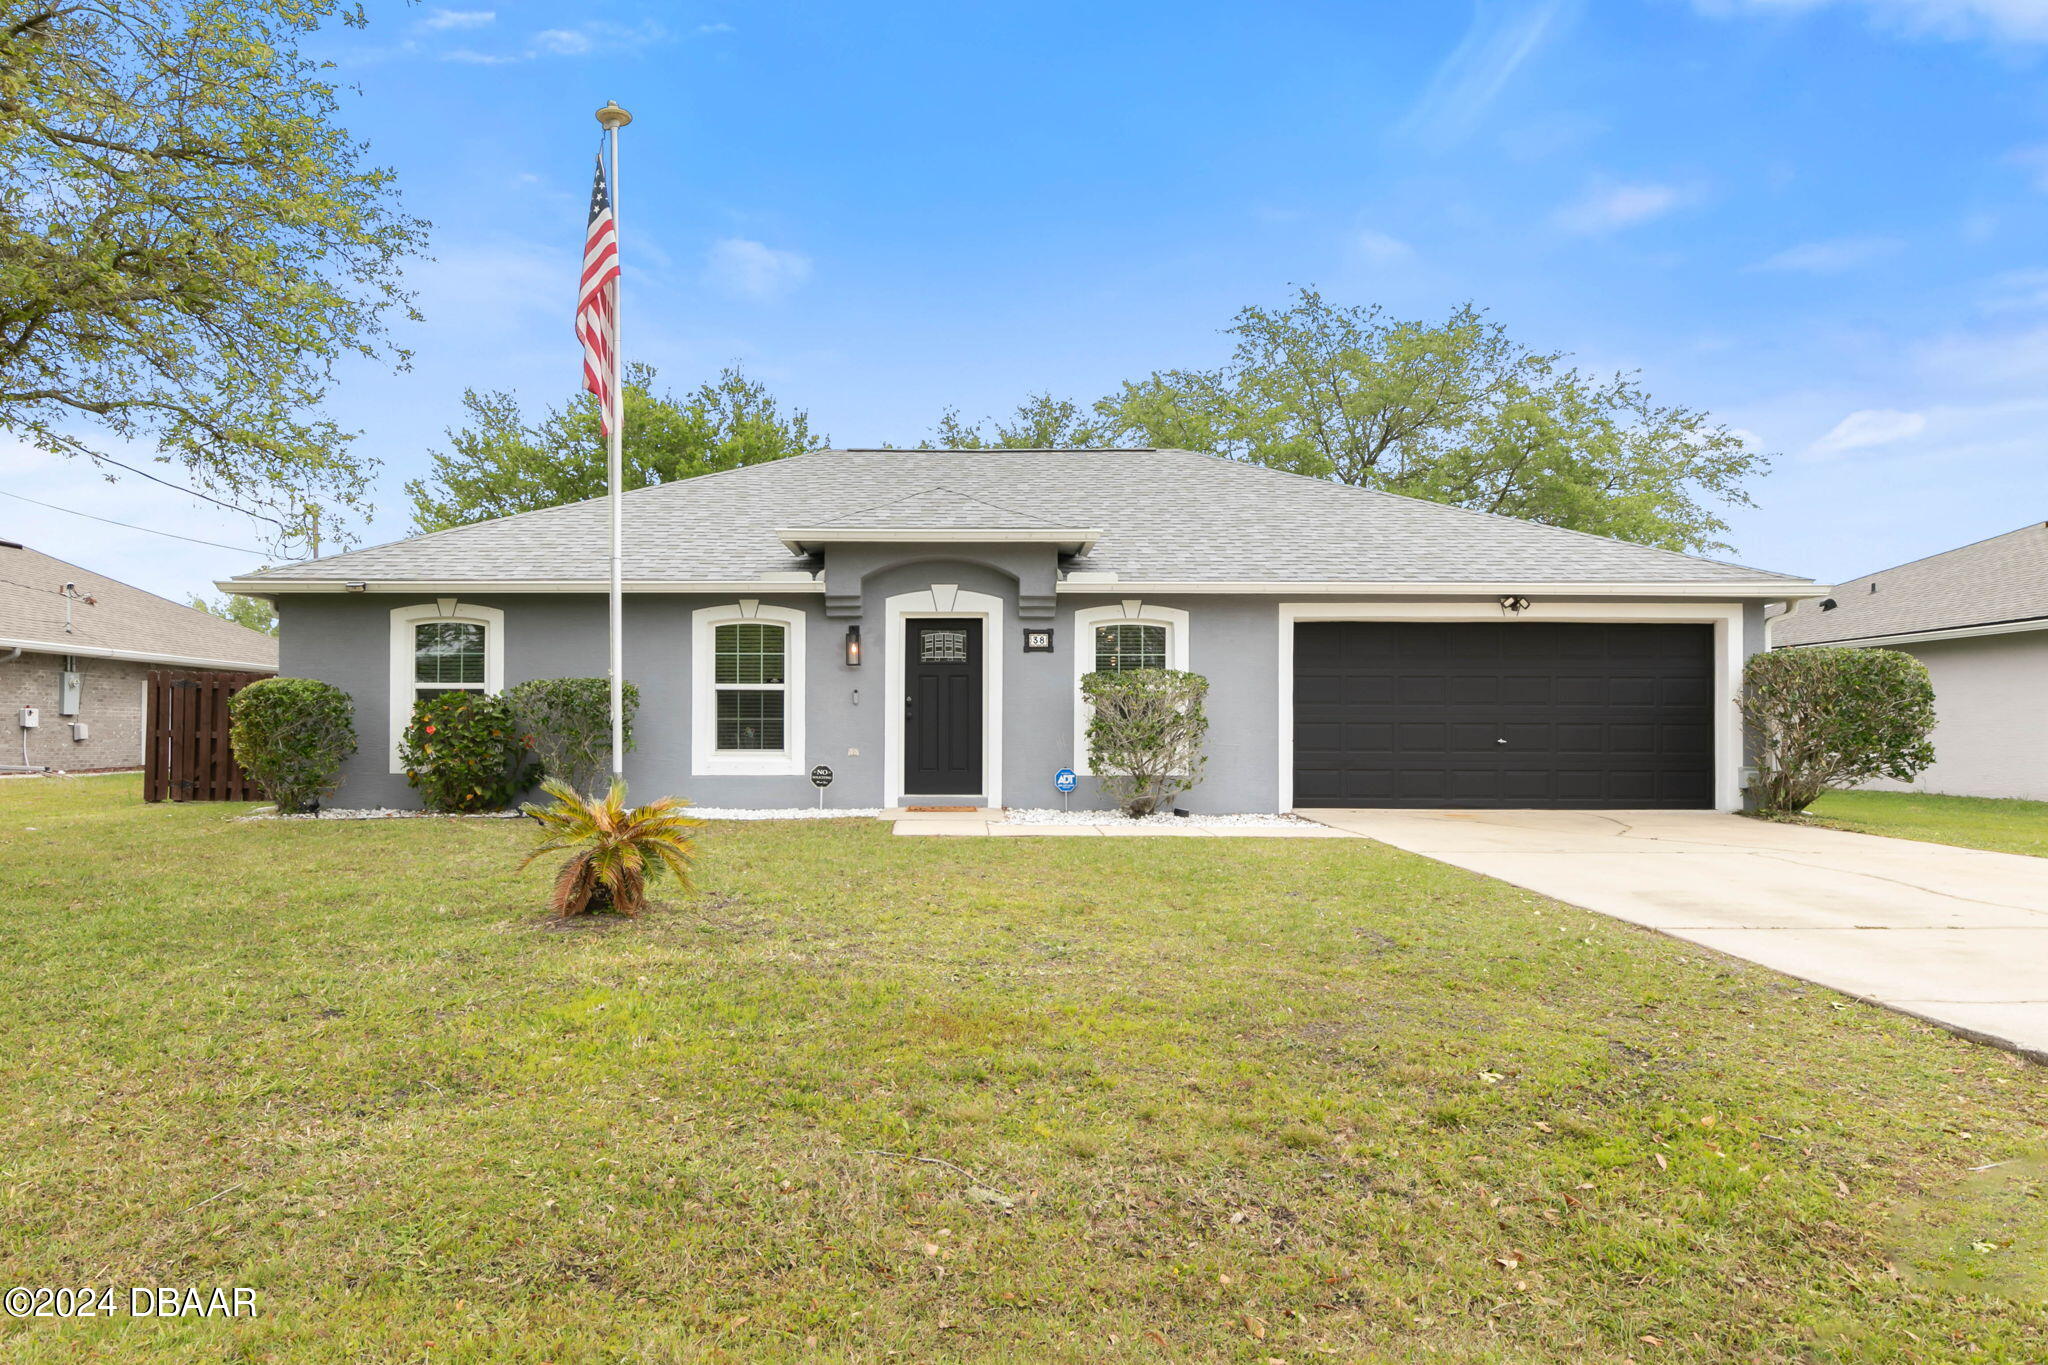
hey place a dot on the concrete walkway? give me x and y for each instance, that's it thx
(1952, 935)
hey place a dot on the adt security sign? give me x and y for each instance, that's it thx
(1065, 780)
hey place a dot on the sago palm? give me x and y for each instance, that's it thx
(612, 847)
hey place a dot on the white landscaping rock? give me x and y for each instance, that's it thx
(786, 813)
(1113, 817)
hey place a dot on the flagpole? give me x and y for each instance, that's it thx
(612, 118)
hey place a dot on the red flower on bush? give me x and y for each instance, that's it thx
(430, 729)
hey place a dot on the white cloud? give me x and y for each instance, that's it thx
(714, 28)
(563, 42)
(469, 56)
(1502, 36)
(1832, 256)
(441, 20)
(1869, 427)
(2033, 160)
(1377, 248)
(2020, 21)
(1609, 208)
(752, 270)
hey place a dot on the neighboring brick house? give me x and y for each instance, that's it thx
(77, 648)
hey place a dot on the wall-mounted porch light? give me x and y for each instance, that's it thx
(853, 646)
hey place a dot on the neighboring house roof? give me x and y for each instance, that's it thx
(1165, 517)
(1989, 587)
(122, 622)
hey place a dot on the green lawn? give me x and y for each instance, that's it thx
(1970, 821)
(1229, 1100)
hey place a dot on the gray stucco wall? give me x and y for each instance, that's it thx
(1991, 731)
(1233, 641)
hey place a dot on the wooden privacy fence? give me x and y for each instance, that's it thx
(188, 757)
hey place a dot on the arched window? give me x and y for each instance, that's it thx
(442, 646)
(1117, 638)
(747, 676)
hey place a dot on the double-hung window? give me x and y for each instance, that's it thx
(441, 646)
(447, 656)
(746, 690)
(1116, 638)
(1125, 645)
(751, 673)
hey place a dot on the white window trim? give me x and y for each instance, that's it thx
(403, 687)
(706, 758)
(1130, 611)
(1724, 617)
(943, 600)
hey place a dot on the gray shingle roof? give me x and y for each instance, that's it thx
(1165, 516)
(120, 618)
(934, 509)
(1999, 580)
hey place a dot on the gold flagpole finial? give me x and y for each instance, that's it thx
(611, 116)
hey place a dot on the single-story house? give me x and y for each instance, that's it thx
(76, 649)
(1978, 618)
(919, 621)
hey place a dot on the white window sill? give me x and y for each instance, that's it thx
(759, 763)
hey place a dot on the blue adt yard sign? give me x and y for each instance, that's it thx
(1064, 779)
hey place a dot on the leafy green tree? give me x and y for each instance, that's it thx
(1453, 411)
(253, 612)
(1041, 422)
(188, 241)
(500, 463)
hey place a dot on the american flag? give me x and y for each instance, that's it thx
(597, 304)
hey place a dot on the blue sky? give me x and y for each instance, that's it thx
(1825, 221)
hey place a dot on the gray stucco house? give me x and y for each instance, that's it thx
(1977, 616)
(919, 620)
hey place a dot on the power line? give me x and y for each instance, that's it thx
(204, 497)
(151, 530)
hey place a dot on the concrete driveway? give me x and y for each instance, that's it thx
(1953, 935)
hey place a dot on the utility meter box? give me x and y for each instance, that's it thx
(68, 689)
(30, 718)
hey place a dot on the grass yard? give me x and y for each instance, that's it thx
(1229, 1100)
(1969, 821)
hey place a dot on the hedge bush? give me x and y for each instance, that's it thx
(291, 735)
(463, 752)
(1145, 733)
(1830, 716)
(566, 724)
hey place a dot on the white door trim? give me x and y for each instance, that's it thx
(1725, 617)
(926, 602)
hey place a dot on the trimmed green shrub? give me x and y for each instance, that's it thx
(1831, 716)
(1145, 733)
(463, 752)
(566, 723)
(291, 735)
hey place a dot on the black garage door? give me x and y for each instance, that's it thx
(1508, 714)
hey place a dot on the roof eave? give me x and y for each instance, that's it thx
(139, 656)
(1069, 539)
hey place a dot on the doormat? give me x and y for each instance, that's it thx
(948, 809)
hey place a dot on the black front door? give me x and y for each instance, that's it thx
(942, 708)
